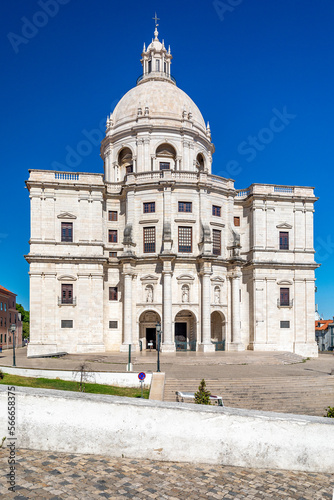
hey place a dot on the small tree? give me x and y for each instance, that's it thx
(330, 412)
(83, 375)
(202, 396)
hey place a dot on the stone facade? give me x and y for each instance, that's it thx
(159, 238)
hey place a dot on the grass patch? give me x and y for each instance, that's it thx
(65, 385)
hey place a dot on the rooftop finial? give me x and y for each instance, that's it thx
(156, 19)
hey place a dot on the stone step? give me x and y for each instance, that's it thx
(303, 395)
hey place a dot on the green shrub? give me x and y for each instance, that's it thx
(202, 396)
(330, 412)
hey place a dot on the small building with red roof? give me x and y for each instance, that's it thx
(9, 316)
(324, 334)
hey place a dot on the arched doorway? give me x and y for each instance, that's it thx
(147, 329)
(218, 332)
(185, 331)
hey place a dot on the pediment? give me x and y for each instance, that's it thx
(218, 279)
(185, 277)
(149, 277)
(284, 225)
(66, 215)
(66, 277)
(284, 282)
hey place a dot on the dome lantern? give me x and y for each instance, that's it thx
(156, 60)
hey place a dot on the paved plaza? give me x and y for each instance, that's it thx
(187, 365)
(58, 476)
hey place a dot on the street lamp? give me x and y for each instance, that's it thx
(158, 327)
(12, 329)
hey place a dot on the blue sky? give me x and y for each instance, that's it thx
(241, 61)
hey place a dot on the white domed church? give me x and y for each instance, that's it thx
(158, 239)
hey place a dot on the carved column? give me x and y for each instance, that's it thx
(127, 311)
(206, 272)
(236, 344)
(168, 344)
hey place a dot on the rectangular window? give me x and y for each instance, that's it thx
(113, 293)
(157, 65)
(112, 236)
(283, 240)
(285, 324)
(1, 306)
(149, 239)
(66, 294)
(5, 338)
(216, 242)
(164, 165)
(112, 254)
(67, 231)
(112, 215)
(284, 296)
(216, 210)
(185, 239)
(185, 206)
(149, 207)
(1, 338)
(5, 306)
(237, 221)
(67, 323)
(129, 169)
(113, 324)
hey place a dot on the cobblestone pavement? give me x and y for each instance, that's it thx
(58, 476)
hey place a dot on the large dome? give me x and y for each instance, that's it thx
(164, 100)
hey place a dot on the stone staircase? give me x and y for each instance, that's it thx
(299, 395)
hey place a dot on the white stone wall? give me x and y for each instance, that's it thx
(181, 432)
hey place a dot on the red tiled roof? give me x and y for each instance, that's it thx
(323, 324)
(3, 289)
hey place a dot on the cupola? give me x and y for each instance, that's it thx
(156, 60)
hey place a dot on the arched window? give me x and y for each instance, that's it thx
(166, 157)
(125, 160)
(200, 162)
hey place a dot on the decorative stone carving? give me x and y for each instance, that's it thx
(185, 293)
(217, 295)
(149, 293)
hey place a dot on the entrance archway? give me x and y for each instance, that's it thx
(218, 330)
(147, 329)
(185, 331)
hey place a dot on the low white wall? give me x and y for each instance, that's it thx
(128, 379)
(113, 426)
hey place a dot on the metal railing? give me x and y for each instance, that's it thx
(284, 303)
(67, 301)
(185, 346)
(219, 346)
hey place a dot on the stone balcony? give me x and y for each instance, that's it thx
(275, 190)
(177, 176)
(52, 177)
